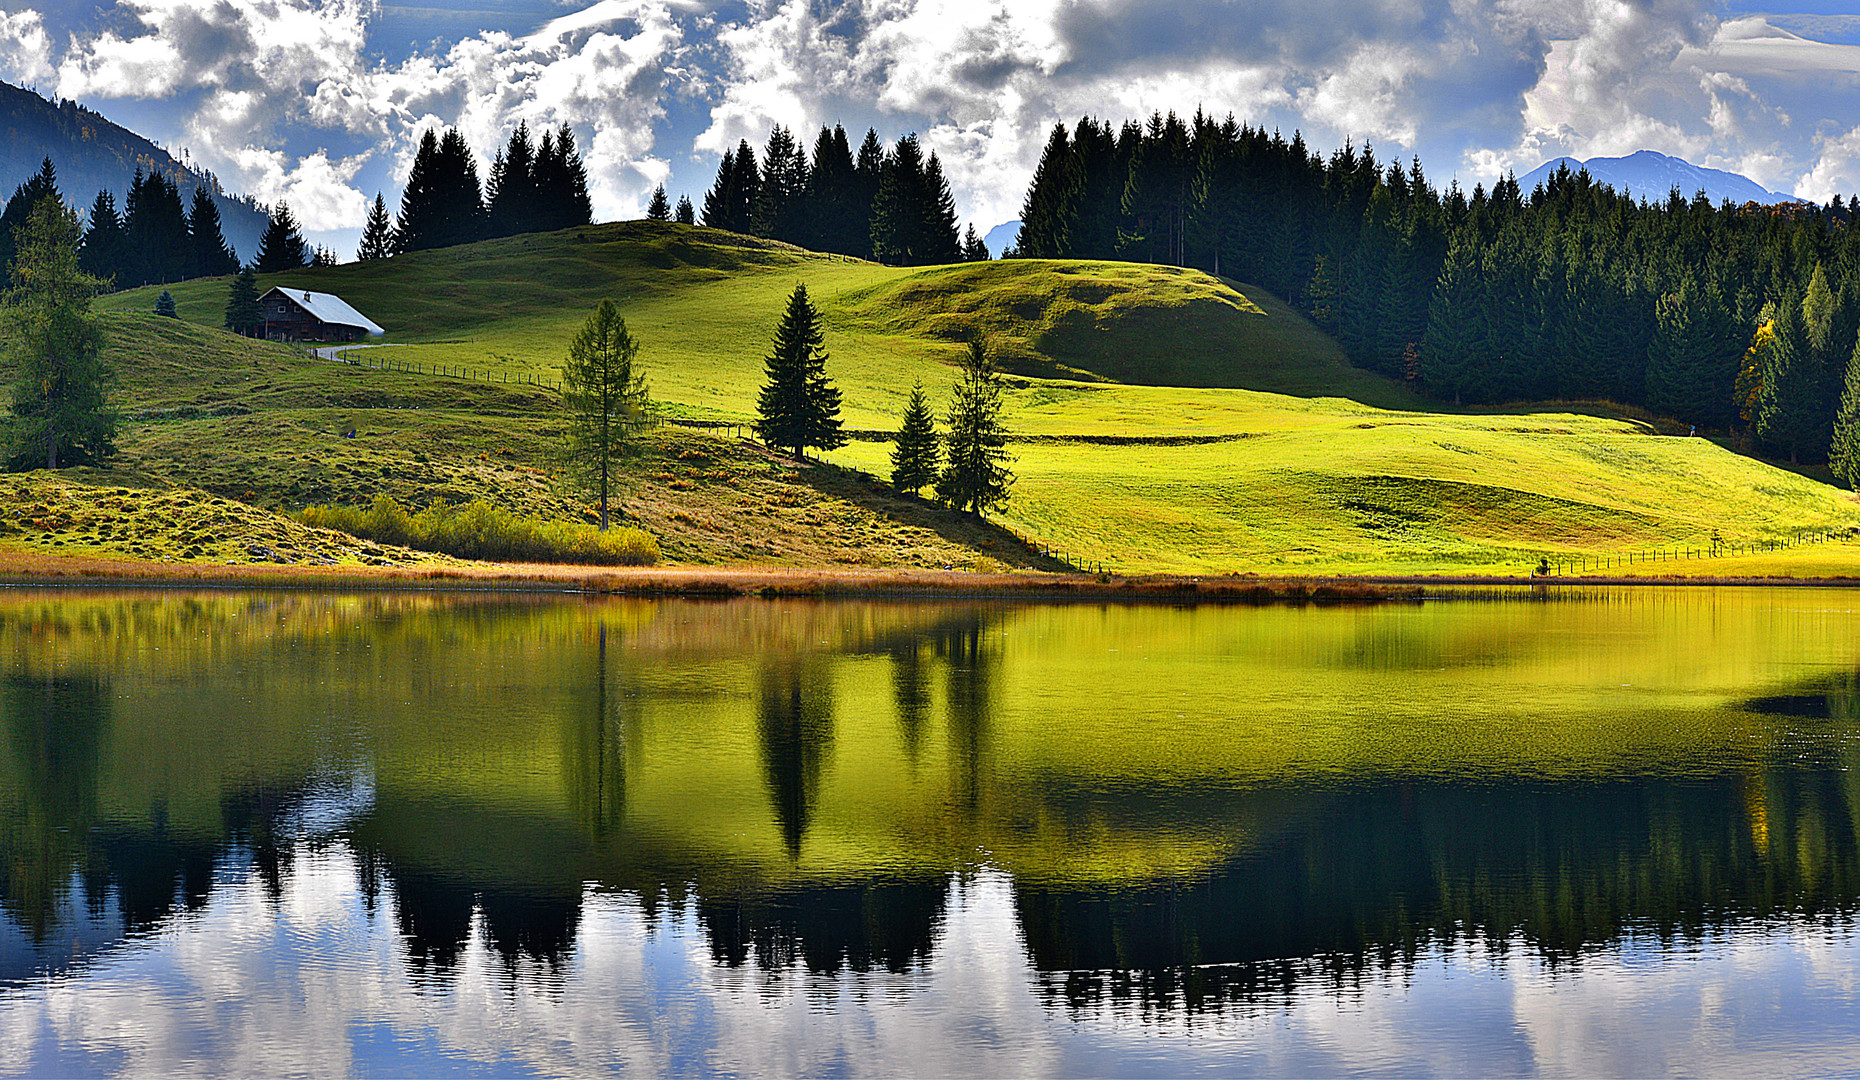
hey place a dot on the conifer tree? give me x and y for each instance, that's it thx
(511, 196)
(1693, 357)
(686, 214)
(51, 341)
(1844, 449)
(975, 473)
(659, 209)
(1786, 405)
(212, 256)
(914, 455)
(281, 247)
(18, 208)
(377, 234)
(604, 396)
(561, 183)
(103, 253)
(868, 168)
(164, 305)
(831, 220)
(717, 200)
(973, 248)
(942, 241)
(798, 406)
(778, 202)
(155, 228)
(418, 220)
(898, 212)
(243, 314)
(1052, 201)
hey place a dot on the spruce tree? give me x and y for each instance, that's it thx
(686, 214)
(1786, 402)
(660, 208)
(155, 228)
(511, 197)
(898, 209)
(377, 234)
(418, 221)
(942, 241)
(975, 474)
(914, 454)
(778, 204)
(281, 247)
(1693, 356)
(1844, 448)
(51, 341)
(717, 200)
(1052, 201)
(798, 406)
(561, 183)
(18, 208)
(103, 252)
(868, 167)
(973, 248)
(243, 314)
(164, 305)
(212, 256)
(456, 193)
(831, 218)
(604, 396)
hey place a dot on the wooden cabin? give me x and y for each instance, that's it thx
(301, 315)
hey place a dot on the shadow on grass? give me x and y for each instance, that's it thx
(978, 534)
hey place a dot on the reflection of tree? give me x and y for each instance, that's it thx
(1385, 874)
(962, 645)
(598, 749)
(794, 723)
(910, 685)
(55, 728)
(876, 924)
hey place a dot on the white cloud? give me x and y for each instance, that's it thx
(320, 192)
(25, 50)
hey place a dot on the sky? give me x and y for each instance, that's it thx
(321, 102)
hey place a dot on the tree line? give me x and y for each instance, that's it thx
(893, 205)
(535, 185)
(151, 239)
(1740, 319)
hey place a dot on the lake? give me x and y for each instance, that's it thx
(1581, 832)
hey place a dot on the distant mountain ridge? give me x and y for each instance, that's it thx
(1651, 175)
(92, 154)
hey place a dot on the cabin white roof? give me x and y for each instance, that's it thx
(328, 308)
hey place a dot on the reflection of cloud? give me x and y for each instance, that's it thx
(314, 982)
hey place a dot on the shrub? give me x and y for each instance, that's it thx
(478, 530)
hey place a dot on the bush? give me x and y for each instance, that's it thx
(478, 530)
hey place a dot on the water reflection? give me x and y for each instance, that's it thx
(1085, 812)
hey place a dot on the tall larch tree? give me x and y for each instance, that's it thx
(605, 395)
(50, 339)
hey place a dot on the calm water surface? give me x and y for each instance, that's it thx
(1609, 832)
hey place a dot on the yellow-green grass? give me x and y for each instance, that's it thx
(1340, 495)
(1276, 456)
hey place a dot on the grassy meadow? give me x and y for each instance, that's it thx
(1163, 419)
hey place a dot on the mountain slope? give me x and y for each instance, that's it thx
(1193, 479)
(92, 154)
(1651, 175)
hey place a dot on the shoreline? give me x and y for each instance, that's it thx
(712, 582)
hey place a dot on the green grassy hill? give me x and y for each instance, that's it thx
(1164, 419)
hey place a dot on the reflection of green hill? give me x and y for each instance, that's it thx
(1165, 787)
